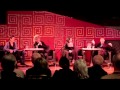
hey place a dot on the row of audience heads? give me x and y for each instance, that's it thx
(9, 62)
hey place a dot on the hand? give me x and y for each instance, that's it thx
(93, 42)
(11, 51)
(110, 44)
(70, 51)
(39, 43)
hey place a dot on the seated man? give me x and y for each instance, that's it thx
(116, 64)
(11, 47)
(40, 44)
(103, 45)
(65, 72)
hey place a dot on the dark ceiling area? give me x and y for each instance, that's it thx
(95, 12)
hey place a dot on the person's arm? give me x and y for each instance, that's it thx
(15, 49)
(35, 43)
(6, 47)
(44, 45)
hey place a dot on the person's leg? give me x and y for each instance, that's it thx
(66, 54)
(74, 55)
(16, 55)
(22, 57)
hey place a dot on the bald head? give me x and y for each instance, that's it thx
(81, 68)
(35, 56)
(98, 59)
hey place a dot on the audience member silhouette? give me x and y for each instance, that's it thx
(40, 69)
(8, 64)
(80, 67)
(65, 73)
(116, 65)
(96, 71)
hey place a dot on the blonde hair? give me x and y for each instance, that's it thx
(36, 36)
(81, 68)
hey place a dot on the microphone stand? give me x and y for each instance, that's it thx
(57, 52)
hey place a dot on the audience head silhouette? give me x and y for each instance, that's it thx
(35, 56)
(80, 67)
(64, 62)
(98, 60)
(8, 62)
(38, 61)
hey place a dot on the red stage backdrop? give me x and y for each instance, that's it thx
(53, 30)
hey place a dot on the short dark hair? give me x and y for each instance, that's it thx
(12, 36)
(64, 62)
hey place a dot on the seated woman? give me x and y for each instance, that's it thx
(65, 72)
(11, 47)
(68, 50)
(40, 44)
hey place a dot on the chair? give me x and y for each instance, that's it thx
(79, 54)
(51, 58)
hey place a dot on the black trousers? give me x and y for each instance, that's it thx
(20, 56)
(2, 53)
